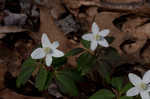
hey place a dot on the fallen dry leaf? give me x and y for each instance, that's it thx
(122, 1)
(106, 22)
(14, 19)
(146, 53)
(54, 33)
(7, 94)
(53, 90)
(68, 25)
(11, 29)
(48, 26)
(131, 28)
(3, 70)
(11, 60)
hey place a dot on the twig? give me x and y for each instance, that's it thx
(134, 7)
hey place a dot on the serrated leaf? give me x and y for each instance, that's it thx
(41, 79)
(126, 88)
(110, 39)
(104, 70)
(49, 79)
(60, 61)
(74, 51)
(102, 94)
(85, 62)
(26, 71)
(126, 97)
(85, 43)
(117, 82)
(111, 55)
(67, 85)
(74, 75)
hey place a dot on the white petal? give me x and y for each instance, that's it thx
(48, 60)
(45, 41)
(146, 77)
(132, 92)
(93, 45)
(55, 44)
(144, 95)
(104, 32)
(103, 43)
(95, 28)
(148, 89)
(134, 79)
(87, 37)
(57, 53)
(38, 54)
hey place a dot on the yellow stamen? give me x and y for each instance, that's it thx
(98, 37)
(47, 50)
(143, 86)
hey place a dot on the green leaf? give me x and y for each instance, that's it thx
(26, 71)
(41, 79)
(85, 62)
(67, 85)
(60, 61)
(110, 39)
(74, 75)
(103, 94)
(49, 79)
(126, 97)
(111, 55)
(85, 43)
(126, 88)
(74, 51)
(104, 70)
(117, 82)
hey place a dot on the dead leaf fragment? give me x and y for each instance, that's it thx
(11, 29)
(68, 25)
(14, 19)
(9, 94)
(122, 1)
(106, 22)
(3, 69)
(53, 90)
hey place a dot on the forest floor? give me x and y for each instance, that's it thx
(22, 23)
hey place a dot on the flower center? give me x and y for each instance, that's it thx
(98, 37)
(47, 50)
(143, 86)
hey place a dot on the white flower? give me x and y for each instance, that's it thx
(142, 86)
(96, 37)
(48, 50)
